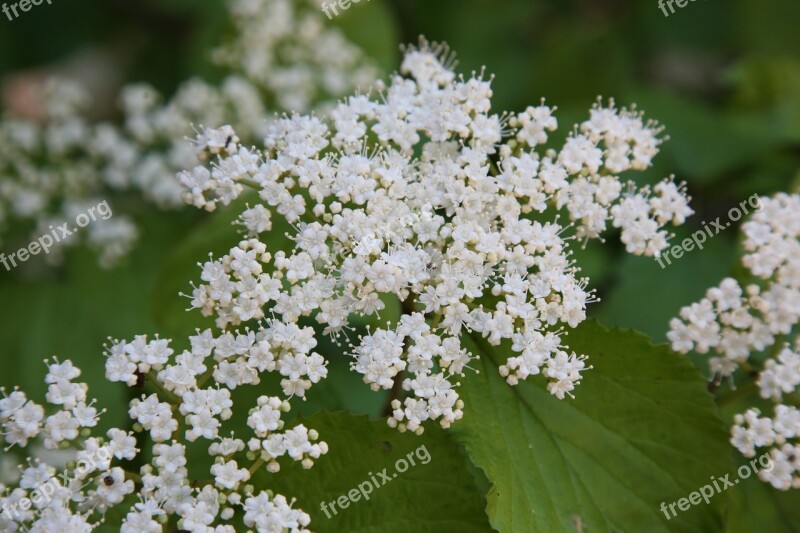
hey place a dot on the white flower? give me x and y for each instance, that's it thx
(122, 444)
(140, 522)
(228, 475)
(267, 417)
(154, 416)
(112, 487)
(196, 516)
(266, 514)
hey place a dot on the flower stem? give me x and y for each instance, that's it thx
(395, 394)
(250, 183)
(202, 380)
(258, 464)
(133, 476)
(397, 387)
(171, 398)
(741, 392)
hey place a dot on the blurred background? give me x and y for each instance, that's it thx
(723, 77)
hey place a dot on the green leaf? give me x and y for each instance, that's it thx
(643, 430)
(756, 506)
(438, 496)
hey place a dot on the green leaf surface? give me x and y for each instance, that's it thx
(756, 506)
(439, 496)
(641, 431)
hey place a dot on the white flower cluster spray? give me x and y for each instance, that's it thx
(741, 321)
(54, 168)
(419, 194)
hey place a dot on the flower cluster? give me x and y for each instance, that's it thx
(51, 171)
(158, 129)
(285, 48)
(51, 168)
(163, 483)
(740, 321)
(418, 193)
